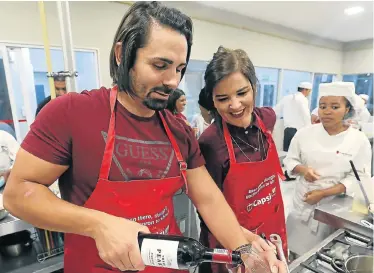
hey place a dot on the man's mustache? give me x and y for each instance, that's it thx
(164, 90)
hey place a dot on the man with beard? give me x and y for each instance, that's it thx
(119, 156)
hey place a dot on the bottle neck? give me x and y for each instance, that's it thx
(222, 256)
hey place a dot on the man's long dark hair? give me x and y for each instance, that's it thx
(133, 33)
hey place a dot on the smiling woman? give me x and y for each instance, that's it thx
(238, 148)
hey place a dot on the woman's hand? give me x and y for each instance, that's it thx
(261, 256)
(264, 262)
(257, 242)
(310, 174)
(313, 197)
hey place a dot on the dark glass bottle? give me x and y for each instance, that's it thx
(179, 252)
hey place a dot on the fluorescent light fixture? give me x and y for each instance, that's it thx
(353, 10)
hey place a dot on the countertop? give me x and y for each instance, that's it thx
(338, 213)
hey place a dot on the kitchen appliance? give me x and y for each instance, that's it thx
(13, 245)
(343, 246)
(354, 264)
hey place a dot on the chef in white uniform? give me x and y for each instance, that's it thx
(294, 109)
(8, 150)
(319, 155)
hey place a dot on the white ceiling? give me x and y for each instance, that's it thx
(324, 19)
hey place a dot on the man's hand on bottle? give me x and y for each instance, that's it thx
(117, 242)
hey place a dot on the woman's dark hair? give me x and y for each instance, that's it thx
(225, 62)
(204, 101)
(133, 33)
(177, 93)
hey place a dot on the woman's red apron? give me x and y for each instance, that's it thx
(148, 202)
(252, 190)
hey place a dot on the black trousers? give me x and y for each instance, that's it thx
(289, 133)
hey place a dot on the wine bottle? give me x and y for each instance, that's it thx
(177, 252)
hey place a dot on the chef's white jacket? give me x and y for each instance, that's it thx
(329, 156)
(294, 109)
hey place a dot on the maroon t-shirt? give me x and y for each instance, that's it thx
(72, 130)
(214, 148)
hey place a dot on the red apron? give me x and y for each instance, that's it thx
(252, 190)
(148, 202)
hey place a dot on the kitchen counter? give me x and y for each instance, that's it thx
(11, 224)
(311, 252)
(339, 214)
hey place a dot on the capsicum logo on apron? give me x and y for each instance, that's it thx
(265, 200)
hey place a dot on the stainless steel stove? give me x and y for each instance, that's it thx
(341, 244)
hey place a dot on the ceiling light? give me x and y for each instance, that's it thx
(353, 10)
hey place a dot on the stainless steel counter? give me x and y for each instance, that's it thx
(339, 214)
(11, 224)
(311, 252)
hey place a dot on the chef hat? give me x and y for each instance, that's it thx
(364, 97)
(344, 89)
(305, 85)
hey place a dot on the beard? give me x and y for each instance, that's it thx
(157, 104)
(139, 90)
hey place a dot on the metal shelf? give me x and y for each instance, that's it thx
(28, 263)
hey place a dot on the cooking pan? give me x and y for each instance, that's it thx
(13, 245)
(354, 264)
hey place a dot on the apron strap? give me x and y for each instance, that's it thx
(230, 147)
(109, 146)
(271, 143)
(268, 136)
(178, 154)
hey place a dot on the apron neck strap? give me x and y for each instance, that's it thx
(227, 136)
(260, 123)
(230, 147)
(178, 154)
(109, 146)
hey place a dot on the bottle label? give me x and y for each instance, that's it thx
(160, 253)
(222, 256)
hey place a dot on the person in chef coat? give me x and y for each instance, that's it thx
(8, 150)
(239, 151)
(319, 156)
(294, 109)
(120, 157)
(202, 120)
(362, 114)
(365, 98)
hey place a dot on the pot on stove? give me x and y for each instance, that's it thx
(354, 264)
